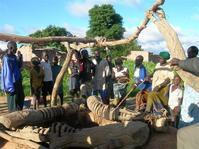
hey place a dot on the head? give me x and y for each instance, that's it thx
(192, 52)
(177, 80)
(97, 54)
(163, 57)
(108, 58)
(84, 53)
(46, 57)
(77, 55)
(138, 60)
(118, 63)
(12, 47)
(55, 60)
(35, 61)
(18, 53)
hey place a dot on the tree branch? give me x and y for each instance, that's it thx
(61, 75)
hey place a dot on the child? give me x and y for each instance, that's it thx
(36, 81)
(175, 97)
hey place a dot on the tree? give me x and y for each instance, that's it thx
(52, 31)
(105, 22)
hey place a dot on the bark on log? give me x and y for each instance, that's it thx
(99, 120)
(97, 43)
(106, 111)
(113, 136)
(175, 48)
(36, 117)
(60, 76)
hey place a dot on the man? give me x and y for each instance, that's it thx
(189, 115)
(162, 75)
(140, 74)
(11, 79)
(48, 79)
(141, 83)
(187, 137)
(100, 83)
(55, 71)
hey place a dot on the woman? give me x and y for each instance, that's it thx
(121, 77)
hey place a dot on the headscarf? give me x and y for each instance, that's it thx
(165, 55)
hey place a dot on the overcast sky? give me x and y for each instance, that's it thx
(23, 17)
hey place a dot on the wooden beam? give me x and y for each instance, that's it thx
(176, 50)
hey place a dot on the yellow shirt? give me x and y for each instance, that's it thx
(161, 73)
(36, 78)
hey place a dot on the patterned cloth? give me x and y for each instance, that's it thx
(190, 107)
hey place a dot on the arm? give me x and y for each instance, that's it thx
(190, 65)
(163, 84)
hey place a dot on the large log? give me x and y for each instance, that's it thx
(35, 117)
(175, 48)
(109, 136)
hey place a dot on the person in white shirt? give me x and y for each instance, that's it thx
(175, 99)
(48, 79)
(121, 75)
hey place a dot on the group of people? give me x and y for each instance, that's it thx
(162, 90)
(167, 91)
(97, 76)
(42, 78)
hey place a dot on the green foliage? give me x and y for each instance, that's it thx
(52, 31)
(105, 22)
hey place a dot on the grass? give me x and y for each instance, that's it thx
(129, 64)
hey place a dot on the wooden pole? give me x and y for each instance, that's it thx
(176, 50)
(60, 76)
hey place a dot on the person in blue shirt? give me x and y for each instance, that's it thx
(141, 82)
(140, 74)
(11, 79)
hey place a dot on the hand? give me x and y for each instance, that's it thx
(147, 79)
(176, 110)
(156, 89)
(174, 62)
(167, 80)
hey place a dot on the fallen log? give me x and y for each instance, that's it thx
(112, 136)
(35, 117)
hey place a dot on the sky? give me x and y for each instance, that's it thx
(23, 17)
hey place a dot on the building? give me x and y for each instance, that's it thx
(28, 53)
(148, 56)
